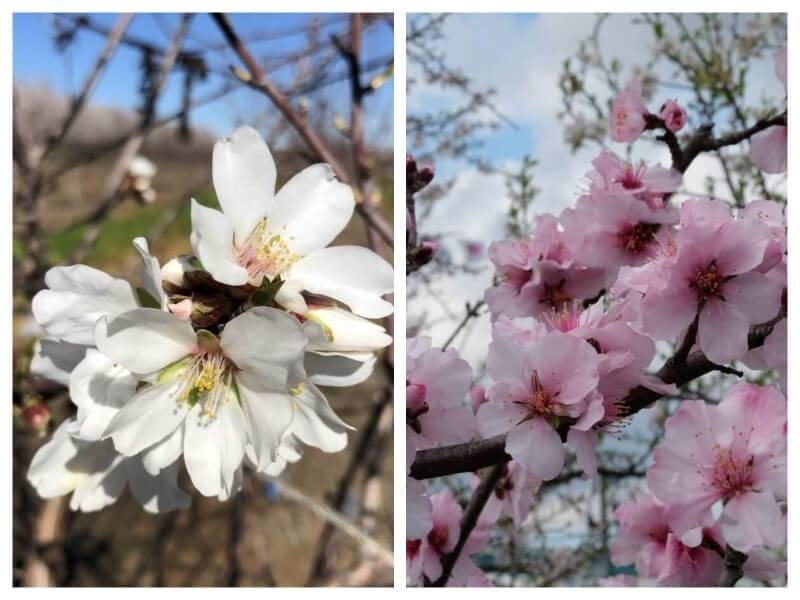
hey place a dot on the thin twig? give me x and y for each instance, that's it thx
(369, 545)
(469, 519)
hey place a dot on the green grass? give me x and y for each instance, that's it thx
(117, 232)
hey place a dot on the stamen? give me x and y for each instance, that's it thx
(265, 254)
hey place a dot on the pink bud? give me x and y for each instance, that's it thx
(415, 397)
(182, 309)
(674, 115)
(477, 397)
(36, 416)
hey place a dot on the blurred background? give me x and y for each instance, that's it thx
(114, 121)
(511, 125)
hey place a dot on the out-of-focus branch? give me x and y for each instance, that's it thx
(369, 545)
(257, 79)
(47, 530)
(111, 188)
(460, 458)
(113, 40)
(734, 563)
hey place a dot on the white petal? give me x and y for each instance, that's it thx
(233, 436)
(336, 370)
(55, 360)
(212, 242)
(99, 388)
(47, 472)
(268, 416)
(148, 418)
(314, 207)
(201, 451)
(145, 340)
(150, 273)
(290, 298)
(353, 275)
(156, 494)
(315, 423)
(345, 332)
(244, 179)
(77, 298)
(234, 488)
(164, 453)
(103, 486)
(265, 341)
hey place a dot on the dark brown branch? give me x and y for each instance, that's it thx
(460, 458)
(734, 567)
(469, 519)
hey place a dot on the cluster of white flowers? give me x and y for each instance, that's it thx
(216, 358)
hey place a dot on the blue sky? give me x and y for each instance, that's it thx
(36, 60)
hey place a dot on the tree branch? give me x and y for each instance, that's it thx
(460, 458)
(469, 519)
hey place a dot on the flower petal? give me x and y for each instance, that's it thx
(212, 242)
(201, 451)
(145, 340)
(99, 388)
(267, 342)
(55, 360)
(148, 418)
(77, 297)
(158, 494)
(722, 331)
(313, 207)
(244, 174)
(151, 272)
(337, 370)
(315, 423)
(353, 275)
(268, 416)
(536, 446)
(162, 454)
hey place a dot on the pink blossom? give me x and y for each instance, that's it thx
(772, 215)
(648, 184)
(423, 556)
(437, 382)
(768, 149)
(537, 386)
(620, 230)
(673, 115)
(771, 354)
(734, 453)
(477, 396)
(182, 309)
(627, 114)
(646, 540)
(714, 275)
(418, 510)
(512, 495)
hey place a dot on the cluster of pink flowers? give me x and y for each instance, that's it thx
(577, 309)
(718, 481)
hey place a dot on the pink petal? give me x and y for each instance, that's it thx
(722, 331)
(536, 446)
(768, 149)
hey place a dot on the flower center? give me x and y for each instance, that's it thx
(564, 318)
(554, 295)
(638, 237)
(631, 177)
(732, 472)
(206, 378)
(412, 548)
(265, 254)
(707, 282)
(540, 399)
(437, 538)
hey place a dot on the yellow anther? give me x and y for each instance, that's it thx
(296, 390)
